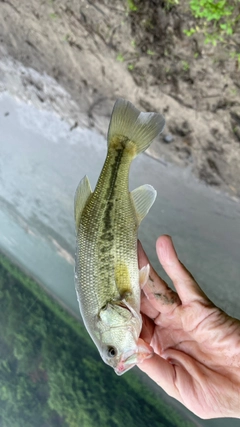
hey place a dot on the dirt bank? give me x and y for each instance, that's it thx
(97, 52)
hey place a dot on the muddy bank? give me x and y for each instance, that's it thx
(98, 52)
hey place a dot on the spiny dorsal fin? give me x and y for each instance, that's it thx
(82, 194)
(143, 198)
(138, 127)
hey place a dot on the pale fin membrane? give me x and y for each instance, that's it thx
(144, 275)
(143, 198)
(140, 128)
(82, 194)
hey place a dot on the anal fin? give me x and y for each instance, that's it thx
(82, 194)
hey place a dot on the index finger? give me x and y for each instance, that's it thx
(159, 298)
(186, 287)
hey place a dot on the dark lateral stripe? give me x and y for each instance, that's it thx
(107, 234)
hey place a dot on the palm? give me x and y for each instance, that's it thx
(196, 345)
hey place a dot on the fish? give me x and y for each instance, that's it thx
(107, 279)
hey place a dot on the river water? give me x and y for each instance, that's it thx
(41, 163)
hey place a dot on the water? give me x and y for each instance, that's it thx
(41, 164)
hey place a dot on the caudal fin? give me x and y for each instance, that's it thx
(140, 128)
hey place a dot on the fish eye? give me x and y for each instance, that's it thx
(112, 352)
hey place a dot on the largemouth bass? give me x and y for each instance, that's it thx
(106, 270)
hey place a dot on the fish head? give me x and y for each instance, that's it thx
(120, 346)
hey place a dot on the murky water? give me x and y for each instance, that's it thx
(41, 164)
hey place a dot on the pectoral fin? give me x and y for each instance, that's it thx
(82, 195)
(143, 198)
(144, 275)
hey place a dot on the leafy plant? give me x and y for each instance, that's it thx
(210, 9)
(53, 15)
(185, 66)
(120, 58)
(218, 19)
(168, 4)
(131, 6)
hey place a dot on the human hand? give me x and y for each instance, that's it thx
(196, 345)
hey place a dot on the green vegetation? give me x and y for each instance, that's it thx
(51, 373)
(185, 66)
(131, 6)
(150, 52)
(170, 3)
(120, 57)
(53, 15)
(217, 19)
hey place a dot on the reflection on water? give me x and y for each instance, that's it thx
(51, 372)
(41, 164)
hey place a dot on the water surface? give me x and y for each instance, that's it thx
(41, 163)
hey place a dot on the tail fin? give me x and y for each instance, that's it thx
(138, 127)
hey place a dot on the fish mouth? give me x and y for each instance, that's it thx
(134, 357)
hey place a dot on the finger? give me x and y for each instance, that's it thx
(147, 308)
(162, 372)
(187, 288)
(161, 297)
(143, 261)
(148, 327)
(164, 301)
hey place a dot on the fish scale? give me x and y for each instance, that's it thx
(107, 221)
(109, 232)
